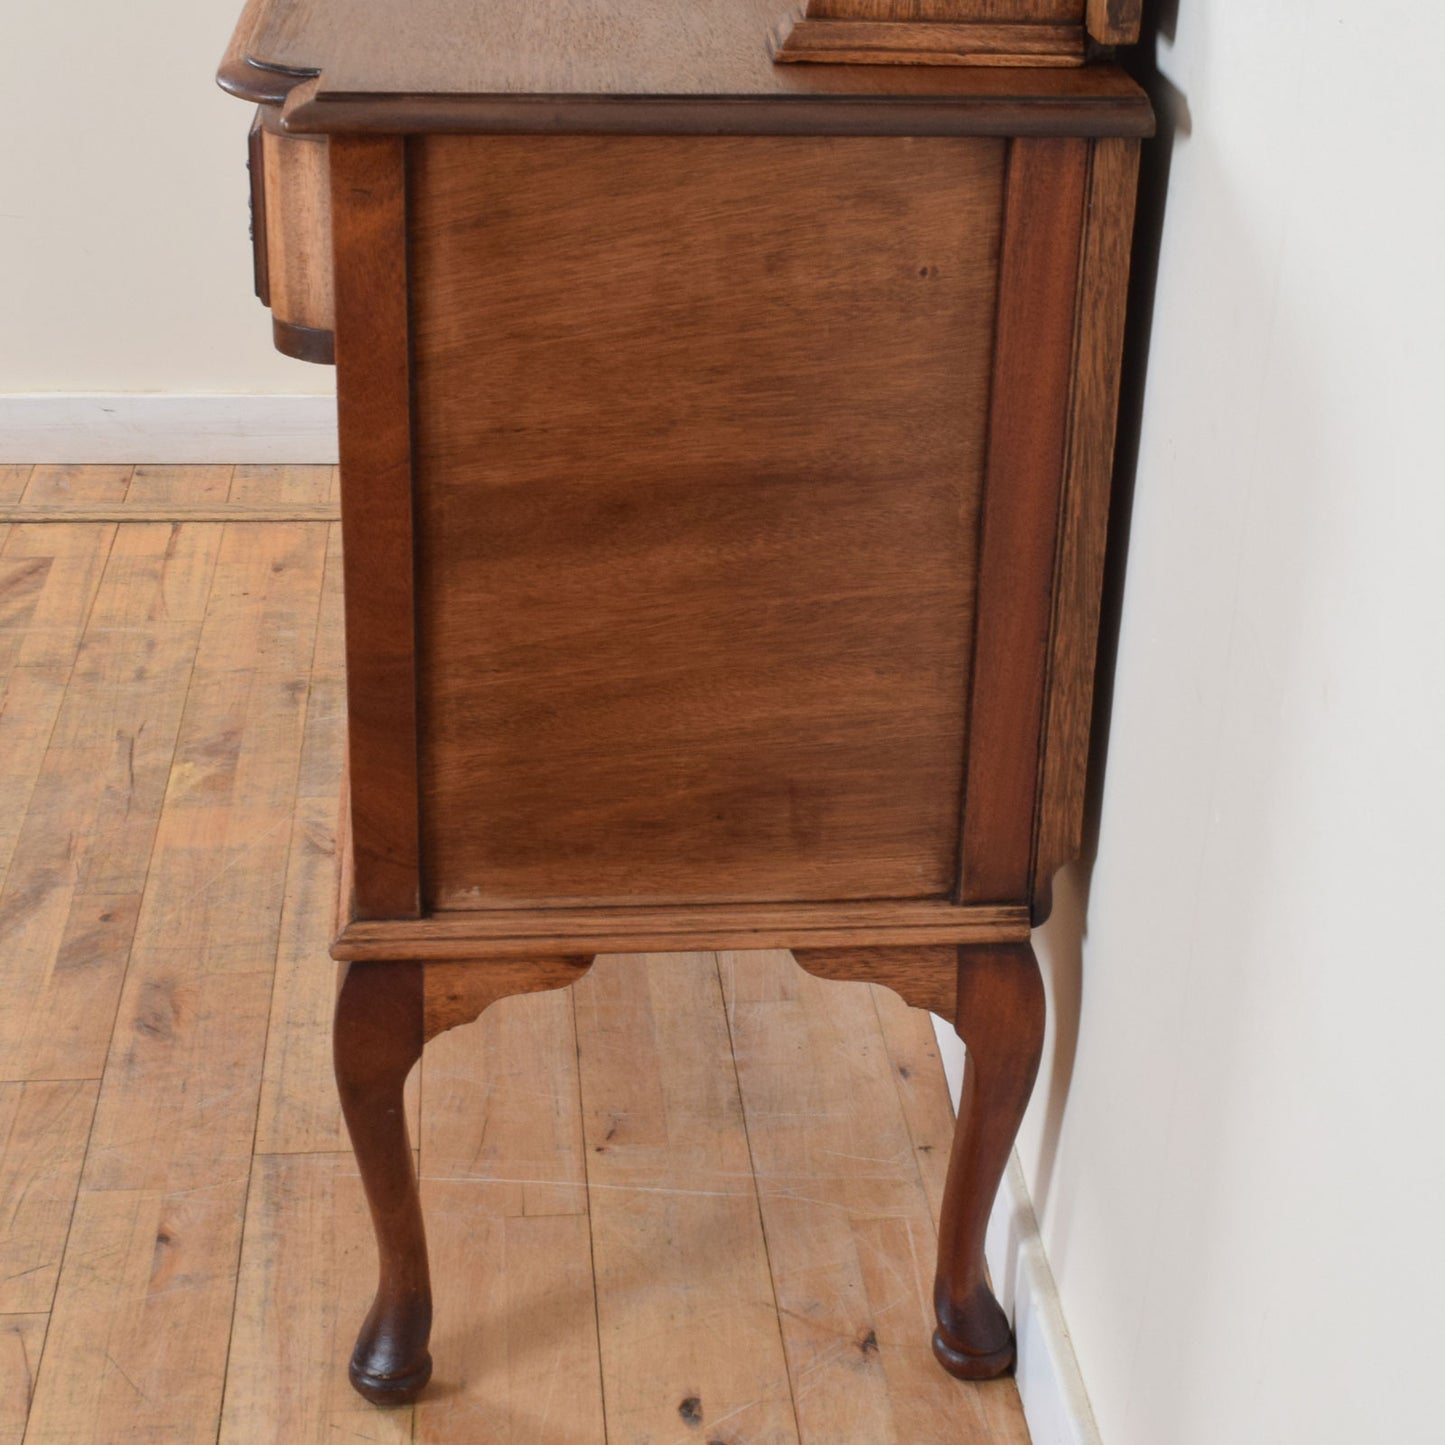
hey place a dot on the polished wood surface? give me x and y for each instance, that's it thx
(556, 48)
(1115, 22)
(689, 553)
(526, 933)
(990, 12)
(1028, 424)
(291, 225)
(1000, 1019)
(926, 978)
(815, 39)
(193, 1257)
(582, 66)
(1084, 515)
(374, 416)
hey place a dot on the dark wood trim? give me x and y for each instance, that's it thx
(1094, 100)
(249, 79)
(1000, 1018)
(1028, 418)
(1114, 22)
(256, 167)
(1084, 513)
(305, 343)
(926, 978)
(368, 187)
(377, 1039)
(263, 84)
(521, 933)
(832, 41)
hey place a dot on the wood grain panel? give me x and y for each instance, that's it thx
(1028, 420)
(697, 541)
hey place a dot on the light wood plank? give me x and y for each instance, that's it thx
(689, 1333)
(282, 485)
(917, 1069)
(62, 568)
(43, 1129)
(63, 512)
(47, 586)
(21, 1340)
(505, 1194)
(184, 486)
(72, 893)
(299, 1111)
(77, 484)
(306, 1275)
(851, 1237)
(30, 698)
(517, 1363)
(324, 745)
(138, 1336)
(142, 1312)
(12, 481)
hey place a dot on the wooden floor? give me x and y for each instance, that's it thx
(692, 1199)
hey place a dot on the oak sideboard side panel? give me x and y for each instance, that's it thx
(697, 523)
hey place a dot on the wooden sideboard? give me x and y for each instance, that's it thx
(725, 453)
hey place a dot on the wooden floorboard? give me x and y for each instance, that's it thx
(692, 1198)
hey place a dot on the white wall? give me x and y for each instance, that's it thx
(123, 206)
(1242, 1185)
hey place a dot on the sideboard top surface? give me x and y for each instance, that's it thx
(703, 65)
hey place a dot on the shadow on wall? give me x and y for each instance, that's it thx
(1062, 958)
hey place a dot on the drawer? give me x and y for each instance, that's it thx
(291, 237)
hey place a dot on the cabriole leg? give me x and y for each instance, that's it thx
(1000, 1018)
(378, 1037)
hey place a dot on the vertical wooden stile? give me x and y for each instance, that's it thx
(368, 187)
(1028, 421)
(1084, 509)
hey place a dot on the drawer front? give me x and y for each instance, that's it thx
(291, 236)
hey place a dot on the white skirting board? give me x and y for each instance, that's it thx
(1056, 1404)
(161, 428)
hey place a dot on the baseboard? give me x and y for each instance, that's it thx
(1056, 1404)
(145, 427)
